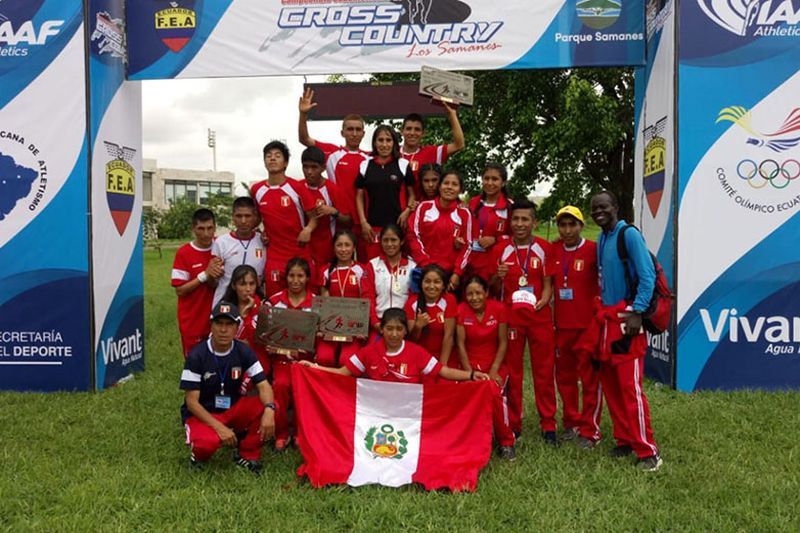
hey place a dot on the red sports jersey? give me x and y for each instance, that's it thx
(409, 365)
(282, 209)
(247, 333)
(342, 167)
(433, 334)
(431, 153)
(347, 282)
(482, 335)
(321, 239)
(519, 282)
(487, 221)
(490, 220)
(281, 300)
(194, 308)
(432, 235)
(575, 283)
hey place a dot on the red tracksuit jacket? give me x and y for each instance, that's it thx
(434, 230)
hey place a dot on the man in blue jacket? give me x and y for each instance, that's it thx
(621, 375)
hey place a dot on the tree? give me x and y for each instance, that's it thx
(176, 222)
(571, 127)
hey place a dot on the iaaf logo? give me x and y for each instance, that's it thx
(26, 33)
(754, 17)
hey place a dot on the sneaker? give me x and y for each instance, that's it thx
(507, 453)
(253, 466)
(586, 444)
(194, 464)
(649, 464)
(517, 435)
(569, 434)
(550, 438)
(281, 445)
(620, 451)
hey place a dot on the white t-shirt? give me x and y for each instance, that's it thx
(234, 252)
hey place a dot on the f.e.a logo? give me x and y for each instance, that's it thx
(120, 184)
(175, 26)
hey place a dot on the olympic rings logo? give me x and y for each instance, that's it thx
(768, 171)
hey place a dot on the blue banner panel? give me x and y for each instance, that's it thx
(116, 200)
(655, 183)
(196, 38)
(739, 189)
(44, 303)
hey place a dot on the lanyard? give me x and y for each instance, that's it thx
(569, 255)
(394, 272)
(527, 257)
(346, 277)
(222, 374)
(241, 243)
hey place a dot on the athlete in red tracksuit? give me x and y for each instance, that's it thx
(243, 292)
(297, 295)
(286, 210)
(390, 274)
(432, 316)
(482, 339)
(440, 231)
(623, 338)
(575, 279)
(330, 207)
(343, 279)
(193, 272)
(526, 288)
(489, 219)
(341, 162)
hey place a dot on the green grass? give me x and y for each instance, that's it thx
(116, 461)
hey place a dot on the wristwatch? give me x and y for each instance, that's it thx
(271, 405)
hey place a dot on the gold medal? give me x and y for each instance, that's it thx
(523, 281)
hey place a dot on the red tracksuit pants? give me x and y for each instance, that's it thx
(243, 417)
(541, 344)
(571, 367)
(282, 391)
(333, 354)
(627, 403)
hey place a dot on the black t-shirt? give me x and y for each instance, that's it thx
(204, 370)
(383, 184)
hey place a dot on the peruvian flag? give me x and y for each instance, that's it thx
(360, 431)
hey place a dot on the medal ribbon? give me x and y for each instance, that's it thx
(346, 277)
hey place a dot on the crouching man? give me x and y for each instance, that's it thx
(216, 412)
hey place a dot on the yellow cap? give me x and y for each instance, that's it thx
(572, 211)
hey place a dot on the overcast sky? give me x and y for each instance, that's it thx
(246, 113)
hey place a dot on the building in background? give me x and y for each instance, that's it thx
(160, 186)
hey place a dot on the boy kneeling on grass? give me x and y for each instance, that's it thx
(215, 411)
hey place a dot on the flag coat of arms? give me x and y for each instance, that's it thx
(360, 431)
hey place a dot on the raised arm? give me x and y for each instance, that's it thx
(305, 105)
(457, 142)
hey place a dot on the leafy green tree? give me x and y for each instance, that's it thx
(176, 222)
(573, 128)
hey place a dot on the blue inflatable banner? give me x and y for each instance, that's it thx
(44, 301)
(655, 183)
(116, 192)
(196, 38)
(739, 195)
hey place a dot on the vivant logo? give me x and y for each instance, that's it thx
(750, 329)
(755, 17)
